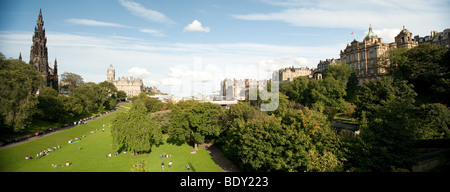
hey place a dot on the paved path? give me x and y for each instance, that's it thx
(224, 163)
(50, 133)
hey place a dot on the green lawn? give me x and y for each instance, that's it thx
(92, 156)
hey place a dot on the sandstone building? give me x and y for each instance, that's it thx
(365, 56)
(130, 85)
(39, 55)
(436, 38)
(289, 73)
(325, 64)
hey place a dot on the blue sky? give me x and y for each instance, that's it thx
(172, 43)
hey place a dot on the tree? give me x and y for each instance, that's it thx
(71, 81)
(111, 93)
(91, 96)
(382, 91)
(51, 107)
(326, 95)
(19, 83)
(387, 138)
(121, 95)
(194, 122)
(424, 66)
(299, 140)
(134, 131)
(352, 87)
(152, 104)
(433, 121)
(162, 119)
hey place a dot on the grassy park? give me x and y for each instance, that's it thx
(90, 153)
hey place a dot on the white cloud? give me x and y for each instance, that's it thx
(196, 26)
(141, 11)
(89, 22)
(417, 15)
(387, 35)
(153, 32)
(138, 72)
(171, 65)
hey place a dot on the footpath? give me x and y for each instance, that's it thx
(19, 140)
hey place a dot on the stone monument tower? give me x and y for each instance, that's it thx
(39, 55)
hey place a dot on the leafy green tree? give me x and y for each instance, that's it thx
(19, 83)
(51, 107)
(432, 121)
(91, 96)
(193, 122)
(339, 71)
(298, 140)
(162, 119)
(152, 104)
(110, 91)
(352, 87)
(134, 131)
(72, 81)
(424, 66)
(297, 90)
(388, 138)
(121, 95)
(382, 91)
(326, 95)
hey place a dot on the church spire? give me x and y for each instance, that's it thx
(55, 67)
(20, 56)
(40, 21)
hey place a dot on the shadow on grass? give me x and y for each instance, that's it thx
(175, 141)
(192, 167)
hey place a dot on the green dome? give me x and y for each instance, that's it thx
(370, 33)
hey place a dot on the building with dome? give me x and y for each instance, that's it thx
(364, 56)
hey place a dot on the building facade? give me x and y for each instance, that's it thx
(130, 85)
(325, 64)
(39, 55)
(239, 89)
(289, 73)
(436, 38)
(365, 56)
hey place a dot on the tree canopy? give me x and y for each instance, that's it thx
(193, 121)
(19, 83)
(134, 131)
(426, 67)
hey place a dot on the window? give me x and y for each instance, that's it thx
(371, 54)
(371, 71)
(362, 63)
(362, 55)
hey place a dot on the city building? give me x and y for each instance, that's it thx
(436, 38)
(325, 64)
(239, 89)
(289, 73)
(365, 56)
(130, 85)
(39, 55)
